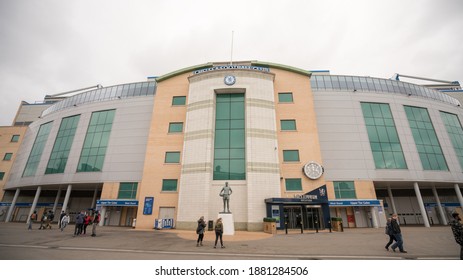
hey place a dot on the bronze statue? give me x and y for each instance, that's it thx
(225, 194)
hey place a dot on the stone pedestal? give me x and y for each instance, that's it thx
(228, 223)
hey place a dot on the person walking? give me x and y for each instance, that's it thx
(397, 235)
(200, 231)
(64, 221)
(43, 220)
(218, 232)
(87, 221)
(389, 232)
(61, 218)
(32, 219)
(457, 230)
(95, 222)
(79, 223)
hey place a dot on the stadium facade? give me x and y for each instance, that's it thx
(295, 145)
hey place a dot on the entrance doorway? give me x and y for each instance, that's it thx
(313, 218)
(291, 213)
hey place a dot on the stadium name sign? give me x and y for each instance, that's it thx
(232, 67)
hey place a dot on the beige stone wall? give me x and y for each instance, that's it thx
(159, 142)
(305, 138)
(6, 146)
(110, 190)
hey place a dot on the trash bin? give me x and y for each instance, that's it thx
(158, 223)
(134, 222)
(210, 225)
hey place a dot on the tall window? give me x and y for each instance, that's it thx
(384, 140)
(230, 139)
(59, 154)
(96, 141)
(455, 131)
(37, 149)
(425, 137)
(127, 191)
(343, 190)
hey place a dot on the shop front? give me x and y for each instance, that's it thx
(357, 213)
(117, 212)
(310, 210)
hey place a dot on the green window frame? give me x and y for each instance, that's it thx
(426, 141)
(455, 131)
(293, 184)
(175, 127)
(8, 156)
(172, 157)
(288, 125)
(15, 138)
(344, 189)
(384, 139)
(63, 142)
(127, 190)
(178, 100)
(37, 150)
(285, 97)
(96, 141)
(2, 175)
(169, 185)
(291, 156)
(230, 137)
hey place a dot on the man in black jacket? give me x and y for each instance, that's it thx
(397, 234)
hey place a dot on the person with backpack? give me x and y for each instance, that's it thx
(397, 235)
(95, 222)
(200, 231)
(79, 223)
(457, 230)
(388, 231)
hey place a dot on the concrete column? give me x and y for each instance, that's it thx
(391, 198)
(93, 206)
(56, 201)
(459, 196)
(374, 219)
(421, 204)
(66, 198)
(13, 204)
(34, 203)
(102, 216)
(439, 206)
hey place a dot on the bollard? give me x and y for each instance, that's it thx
(316, 224)
(329, 224)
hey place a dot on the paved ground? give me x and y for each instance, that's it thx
(17, 243)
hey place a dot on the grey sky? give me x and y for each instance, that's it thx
(48, 47)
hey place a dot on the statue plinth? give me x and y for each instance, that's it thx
(228, 223)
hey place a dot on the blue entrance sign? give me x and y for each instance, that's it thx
(116, 202)
(359, 202)
(148, 206)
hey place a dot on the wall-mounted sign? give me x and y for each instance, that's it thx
(148, 206)
(232, 67)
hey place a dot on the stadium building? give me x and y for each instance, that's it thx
(294, 145)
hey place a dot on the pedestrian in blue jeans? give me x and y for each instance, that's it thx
(397, 235)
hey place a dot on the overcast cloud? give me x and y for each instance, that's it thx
(47, 47)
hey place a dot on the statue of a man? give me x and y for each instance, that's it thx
(225, 194)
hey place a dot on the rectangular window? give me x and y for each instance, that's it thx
(455, 132)
(285, 97)
(178, 100)
(169, 185)
(96, 141)
(293, 184)
(2, 174)
(175, 127)
(15, 138)
(37, 149)
(290, 155)
(230, 138)
(172, 157)
(8, 156)
(427, 144)
(127, 191)
(384, 139)
(288, 125)
(343, 190)
(62, 147)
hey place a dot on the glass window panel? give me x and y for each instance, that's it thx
(221, 153)
(237, 110)
(455, 132)
(237, 124)
(172, 157)
(169, 185)
(290, 155)
(237, 138)
(288, 124)
(344, 189)
(37, 150)
(222, 124)
(175, 127)
(223, 111)
(222, 139)
(285, 97)
(178, 100)
(237, 169)
(293, 184)
(236, 153)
